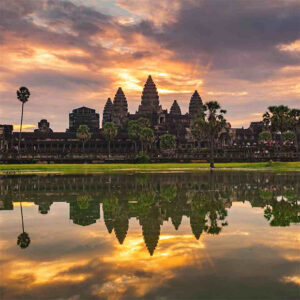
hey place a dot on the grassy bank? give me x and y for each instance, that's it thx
(168, 167)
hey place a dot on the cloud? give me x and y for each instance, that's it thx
(241, 38)
(70, 53)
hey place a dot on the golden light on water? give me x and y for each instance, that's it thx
(25, 204)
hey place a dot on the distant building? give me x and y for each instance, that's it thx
(84, 116)
(43, 127)
(5, 137)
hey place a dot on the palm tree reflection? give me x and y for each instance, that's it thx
(23, 238)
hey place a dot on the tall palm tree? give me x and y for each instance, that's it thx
(110, 131)
(23, 95)
(147, 137)
(83, 133)
(210, 126)
(133, 130)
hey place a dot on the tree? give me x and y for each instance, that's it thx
(147, 137)
(198, 130)
(265, 136)
(289, 136)
(83, 134)
(277, 119)
(294, 120)
(143, 122)
(133, 129)
(210, 126)
(167, 141)
(23, 95)
(110, 131)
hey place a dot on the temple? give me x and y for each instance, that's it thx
(232, 144)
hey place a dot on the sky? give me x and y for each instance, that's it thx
(243, 54)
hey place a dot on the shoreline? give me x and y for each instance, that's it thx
(31, 169)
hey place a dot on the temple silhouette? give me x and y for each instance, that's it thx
(43, 144)
(204, 199)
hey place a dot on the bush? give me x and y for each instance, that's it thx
(142, 158)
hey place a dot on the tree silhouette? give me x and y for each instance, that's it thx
(265, 136)
(147, 137)
(167, 142)
(289, 136)
(83, 134)
(210, 126)
(294, 120)
(277, 119)
(110, 132)
(23, 95)
(136, 131)
(133, 129)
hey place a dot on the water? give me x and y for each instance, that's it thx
(228, 235)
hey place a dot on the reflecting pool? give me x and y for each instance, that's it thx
(226, 235)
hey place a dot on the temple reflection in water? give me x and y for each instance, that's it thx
(153, 199)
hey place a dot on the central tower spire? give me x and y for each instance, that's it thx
(150, 98)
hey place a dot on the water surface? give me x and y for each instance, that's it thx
(228, 235)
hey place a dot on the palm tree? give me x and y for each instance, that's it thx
(277, 119)
(23, 95)
(83, 134)
(210, 126)
(133, 129)
(110, 131)
(147, 137)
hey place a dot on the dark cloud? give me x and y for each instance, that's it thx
(238, 36)
(141, 54)
(51, 79)
(251, 273)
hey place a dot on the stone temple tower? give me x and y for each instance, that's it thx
(175, 108)
(120, 109)
(196, 106)
(150, 99)
(107, 112)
